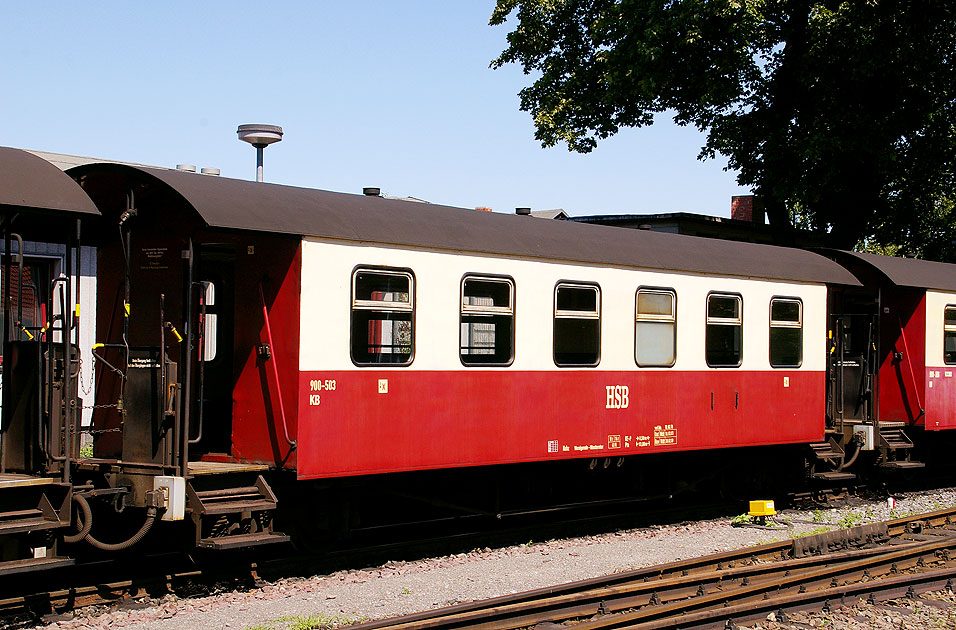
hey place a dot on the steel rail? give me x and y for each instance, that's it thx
(936, 518)
(742, 591)
(676, 595)
(932, 580)
(80, 596)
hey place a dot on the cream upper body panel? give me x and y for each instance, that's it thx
(327, 268)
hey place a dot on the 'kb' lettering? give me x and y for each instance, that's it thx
(617, 396)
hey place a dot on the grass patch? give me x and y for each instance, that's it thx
(308, 622)
(741, 519)
(813, 532)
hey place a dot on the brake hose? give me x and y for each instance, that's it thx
(86, 525)
(86, 522)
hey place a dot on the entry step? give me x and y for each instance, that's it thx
(235, 500)
(833, 476)
(11, 567)
(16, 480)
(826, 451)
(240, 541)
(232, 500)
(19, 521)
(895, 439)
(222, 468)
(234, 517)
(902, 465)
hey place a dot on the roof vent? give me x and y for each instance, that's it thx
(208, 170)
(523, 211)
(372, 192)
(189, 168)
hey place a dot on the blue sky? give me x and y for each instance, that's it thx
(391, 94)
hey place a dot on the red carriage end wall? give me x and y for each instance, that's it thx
(257, 428)
(902, 384)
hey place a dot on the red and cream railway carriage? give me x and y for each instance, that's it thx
(380, 336)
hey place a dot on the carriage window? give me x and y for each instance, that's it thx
(655, 328)
(724, 335)
(487, 321)
(949, 335)
(786, 332)
(577, 325)
(209, 323)
(26, 299)
(382, 323)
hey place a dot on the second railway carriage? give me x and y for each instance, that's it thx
(904, 370)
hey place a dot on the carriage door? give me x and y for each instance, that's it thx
(212, 403)
(27, 300)
(852, 367)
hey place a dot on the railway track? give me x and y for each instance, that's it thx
(878, 561)
(125, 583)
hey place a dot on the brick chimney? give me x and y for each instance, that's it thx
(742, 207)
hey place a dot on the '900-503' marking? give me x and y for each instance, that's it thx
(317, 385)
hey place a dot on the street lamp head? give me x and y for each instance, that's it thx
(260, 135)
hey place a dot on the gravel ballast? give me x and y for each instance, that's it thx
(397, 588)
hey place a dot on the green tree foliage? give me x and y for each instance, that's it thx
(841, 112)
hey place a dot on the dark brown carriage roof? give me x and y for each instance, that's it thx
(909, 272)
(28, 182)
(246, 205)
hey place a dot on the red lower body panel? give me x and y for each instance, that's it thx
(375, 421)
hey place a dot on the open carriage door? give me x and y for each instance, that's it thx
(213, 386)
